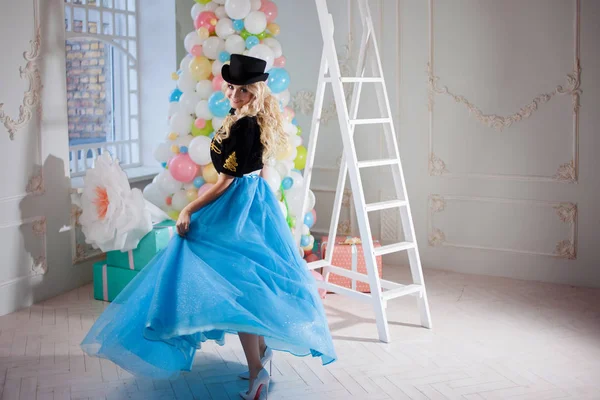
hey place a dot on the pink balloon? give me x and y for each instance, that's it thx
(319, 277)
(182, 168)
(206, 19)
(314, 213)
(270, 10)
(218, 83)
(197, 50)
(200, 123)
(288, 114)
(204, 188)
(279, 62)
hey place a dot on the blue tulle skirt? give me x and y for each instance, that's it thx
(237, 270)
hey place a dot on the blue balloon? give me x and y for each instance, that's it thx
(279, 80)
(179, 72)
(198, 181)
(183, 149)
(212, 134)
(251, 42)
(295, 121)
(164, 165)
(305, 240)
(287, 183)
(224, 56)
(219, 105)
(175, 95)
(238, 24)
(309, 220)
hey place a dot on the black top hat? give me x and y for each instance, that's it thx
(244, 70)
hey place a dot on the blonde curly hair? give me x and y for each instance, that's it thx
(265, 107)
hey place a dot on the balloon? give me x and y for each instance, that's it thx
(186, 82)
(203, 33)
(217, 123)
(216, 67)
(286, 153)
(204, 89)
(304, 241)
(210, 174)
(310, 203)
(255, 4)
(221, 13)
(287, 183)
(235, 44)
(188, 101)
(185, 62)
(198, 8)
(283, 171)
(182, 168)
(224, 56)
(181, 122)
(308, 220)
(202, 110)
(300, 161)
(206, 19)
(288, 115)
(238, 24)
(224, 28)
(284, 97)
(263, 52)
(200, 67)
(154, 194)
(212, 47)
(238, 9)
(173, 214)
(191, 39)
(199, 150)
(279, 80)
(191, 194)
(173, 108)
(162, 152)
(175, 95)
(272, 177)
(275, 46)
(200, 123)
(314, 213)
(213, 5)
(252, 41)
(270, 10)
(318, 277)
(202, 2)
(297, 141)
(179, 200)
(219, 1)
(184, 141)
(202, 131)
(204, 188)
(198, 181)
(274, 28)
(219, 105)
(280, 62)
(217, 83)
(255, 22)
(297, 178)
(167, 183)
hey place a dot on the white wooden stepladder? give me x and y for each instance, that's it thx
(350, 165)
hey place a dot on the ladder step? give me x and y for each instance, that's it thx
(402, 291)
(385, 205)
(377, 163)
(370, 121)
(393, 248)
(350, 79)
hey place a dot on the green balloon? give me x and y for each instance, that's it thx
(262, 35)
(299, 131)
(203, 1)
(206, 131)
(245, 34)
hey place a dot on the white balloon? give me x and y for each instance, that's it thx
(212, 6)
(191, 39)
(204, 89)
(263, 52)
(235, 44)
(282, 169)
(290, 129)
(202, 110)
(255, 5)
(216, 67)
(181, 123)
(283, 209)
(237, 9)
(310, 204)
(179, 200)
(162, 152)
(220, 12)
(217, 123)
(305, 230)
(297, 140)
(255, 22)
(283, 97)
(196, 10)
(188, 186)
(186, 82)
(184, 140)
(184, 65)
(275, 46)
(297, 178)
(224, 27)
(155, 195)
(173, 108)
(188, 101)
(167, 183)
(220, 1)
(212, 47)
(199, 150)
(272, 177)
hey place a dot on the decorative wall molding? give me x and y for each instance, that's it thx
(566, 212)
(566, 173)
(32, 97)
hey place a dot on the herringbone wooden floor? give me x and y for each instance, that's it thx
(492, 339)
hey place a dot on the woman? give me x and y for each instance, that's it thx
(233, 268)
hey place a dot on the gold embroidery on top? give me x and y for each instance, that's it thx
(214, 147)
(231, 163)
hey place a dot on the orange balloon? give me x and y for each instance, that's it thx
(210, 174)
(274, 28)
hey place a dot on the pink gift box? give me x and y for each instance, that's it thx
(351, 257)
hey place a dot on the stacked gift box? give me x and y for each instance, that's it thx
(112, 275)
(348, 254)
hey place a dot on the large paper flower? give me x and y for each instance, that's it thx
(114, 217)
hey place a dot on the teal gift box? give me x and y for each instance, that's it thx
(149, 246)
(110, 281)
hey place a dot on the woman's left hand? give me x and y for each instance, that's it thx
(183, 223)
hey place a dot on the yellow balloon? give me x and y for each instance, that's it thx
(175, 76)
(287, 153)
(191, 194)
(210, 174)
(175, 149)
(203, 33)
(174, 214)
(200, 68)
(173, 135)
(274, 28)
(300, 161)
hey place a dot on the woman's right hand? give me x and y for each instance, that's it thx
(183, 223)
